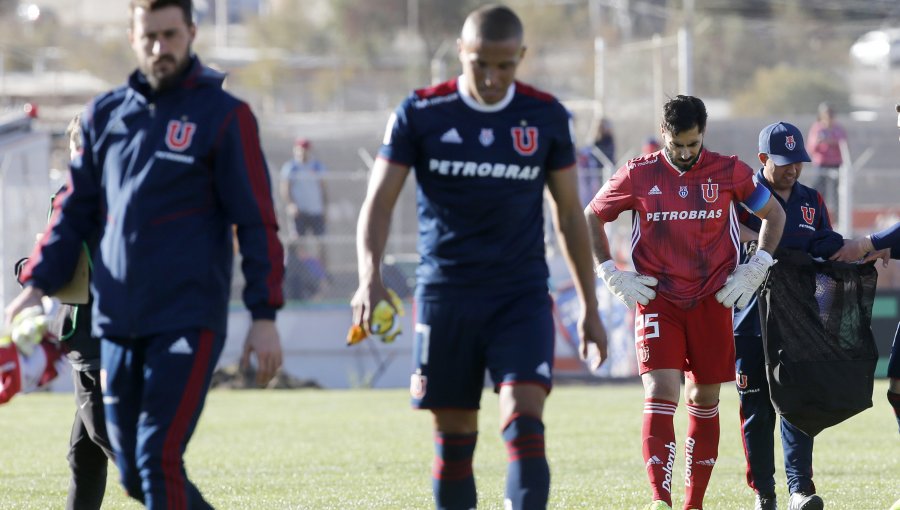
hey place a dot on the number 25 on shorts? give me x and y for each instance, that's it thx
(646, 327)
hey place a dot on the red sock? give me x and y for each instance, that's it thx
(658, 435)
(700, 451)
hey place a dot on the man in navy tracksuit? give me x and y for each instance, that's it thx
(170, 163)
(782, 153)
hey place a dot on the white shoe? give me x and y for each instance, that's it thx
(800, 501)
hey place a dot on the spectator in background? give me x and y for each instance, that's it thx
(824, 142)
(651, 145)
(303, 192)
(305, 276)
(600, 154)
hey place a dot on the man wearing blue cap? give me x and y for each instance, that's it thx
(782, 153)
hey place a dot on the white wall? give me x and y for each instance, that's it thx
(313, 338)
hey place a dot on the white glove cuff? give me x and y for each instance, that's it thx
(605, 269)
(764, 257)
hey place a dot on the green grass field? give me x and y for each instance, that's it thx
(365, 449)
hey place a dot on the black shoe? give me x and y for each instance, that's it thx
(765, 502)
(800, 501)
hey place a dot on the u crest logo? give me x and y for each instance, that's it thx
(643, 351)
(789, 142)
(179, 135)
(710, 192)
(809, 214)
(741, 381)
(525, 140)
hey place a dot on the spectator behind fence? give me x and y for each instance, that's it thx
(305, 276)
(824, 144)
(651, 145)
(304, 194)
(600, 154)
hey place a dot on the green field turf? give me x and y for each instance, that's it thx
(365, 449)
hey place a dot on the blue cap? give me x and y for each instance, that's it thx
(783, 143)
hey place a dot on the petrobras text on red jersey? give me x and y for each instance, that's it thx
(702, 214)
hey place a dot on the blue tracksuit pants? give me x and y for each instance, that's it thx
(758, 419)
(154, 390)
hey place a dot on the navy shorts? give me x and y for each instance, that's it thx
(458, 337)
(313, 223)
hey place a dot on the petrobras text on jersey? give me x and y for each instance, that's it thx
(702, 214)
(431, 101)
(474, 169)
(171, 156)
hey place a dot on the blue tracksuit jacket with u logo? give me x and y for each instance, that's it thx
(164, 176)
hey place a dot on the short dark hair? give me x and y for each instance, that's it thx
(73, 132)
(186, 7)
(681, 113)
(495, 22)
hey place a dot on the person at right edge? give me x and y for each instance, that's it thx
(684, 202)
(807, 228)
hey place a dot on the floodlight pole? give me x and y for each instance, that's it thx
(221, 23)
(686, 50)
(599, 74)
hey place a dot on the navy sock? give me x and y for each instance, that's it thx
(894, 399)
(528, 474)
(453, 482)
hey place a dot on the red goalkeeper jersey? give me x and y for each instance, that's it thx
(684, 225)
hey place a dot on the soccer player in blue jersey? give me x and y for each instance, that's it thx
(782, 153)
(171, 163)
(484, 147)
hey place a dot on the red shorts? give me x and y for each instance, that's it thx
(698, 341)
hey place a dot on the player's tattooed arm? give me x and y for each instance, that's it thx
(772, 226)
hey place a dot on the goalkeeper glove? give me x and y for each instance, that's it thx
(384, 322)
(630, 287)
(745, 280)
(28, 328)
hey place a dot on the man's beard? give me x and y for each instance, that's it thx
(158, 83)
(682, 165)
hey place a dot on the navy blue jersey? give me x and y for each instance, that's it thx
(481, 172)
(163, 177)
(805, 214)
(888, 238)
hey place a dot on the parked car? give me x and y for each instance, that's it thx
(877, 48)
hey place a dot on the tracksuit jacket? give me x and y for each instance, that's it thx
(164, 176)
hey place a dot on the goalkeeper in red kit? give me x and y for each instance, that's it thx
(685, 245)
